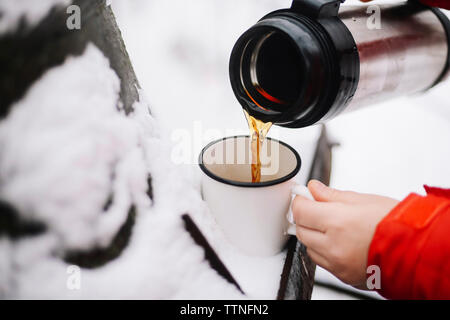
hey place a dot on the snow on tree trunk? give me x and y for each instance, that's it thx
(27, 52)
(85, 175)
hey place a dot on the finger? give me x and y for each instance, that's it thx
(323, 193)
(311, 214)
(313, 239)
(318, 259)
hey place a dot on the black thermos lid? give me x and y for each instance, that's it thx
(296, 66)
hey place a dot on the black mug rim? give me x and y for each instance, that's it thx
(213, 176)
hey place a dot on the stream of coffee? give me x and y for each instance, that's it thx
(258, 132)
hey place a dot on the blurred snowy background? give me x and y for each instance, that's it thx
(180, 51)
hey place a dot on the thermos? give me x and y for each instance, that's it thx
(307, 64)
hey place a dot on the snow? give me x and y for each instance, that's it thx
(58, 156)
(400, 146)
(325, 277)
(12, 11)
(321, 293)
(85, 124)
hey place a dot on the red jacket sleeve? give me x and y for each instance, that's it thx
(445, 4)
(411, 246)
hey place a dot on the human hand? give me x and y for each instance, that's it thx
(338, 227)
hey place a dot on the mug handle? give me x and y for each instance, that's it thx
(301, 191)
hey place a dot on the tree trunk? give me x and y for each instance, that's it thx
(28, 52)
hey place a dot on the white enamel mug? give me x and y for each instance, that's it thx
(255, 217)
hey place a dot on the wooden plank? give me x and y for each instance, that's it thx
(297, 278)
(210, 255)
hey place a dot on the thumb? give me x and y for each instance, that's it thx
(323, 193)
